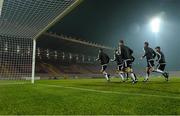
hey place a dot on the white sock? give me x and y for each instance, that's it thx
(121, 75)
(159, 71)
(146, 77)
(132, 76)
(106, 75)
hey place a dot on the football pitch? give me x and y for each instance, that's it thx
(90, 97)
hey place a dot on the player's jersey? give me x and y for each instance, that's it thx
(118, 59)
(161, 58)
(126, 52)
(149, 53)
(103, 58)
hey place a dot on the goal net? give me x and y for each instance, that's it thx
(21, 23)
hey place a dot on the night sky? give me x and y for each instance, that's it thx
(108, 21)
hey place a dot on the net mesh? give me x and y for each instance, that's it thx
(15, 57)
(20, 22)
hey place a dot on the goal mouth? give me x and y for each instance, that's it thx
(21, 23)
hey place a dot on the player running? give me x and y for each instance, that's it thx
(161, 63)
(127, 57)
(119, 61)
(104, 60)
(150, 54)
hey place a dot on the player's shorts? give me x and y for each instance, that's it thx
(120, 67)
(104, 66)
(127, 63)
(161, 66)
(150, 63)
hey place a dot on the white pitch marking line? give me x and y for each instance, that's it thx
(12, 83)
(112, 92)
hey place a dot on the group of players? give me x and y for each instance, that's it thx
(124, 59)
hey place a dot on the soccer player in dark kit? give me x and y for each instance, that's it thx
(120, 64)
(150, 54)
(127, 57)
(161, 63)
(104, 60)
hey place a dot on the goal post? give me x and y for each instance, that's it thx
(58, 18)
(21, 23)
(33, 61)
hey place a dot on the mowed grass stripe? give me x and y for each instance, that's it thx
(110, 92)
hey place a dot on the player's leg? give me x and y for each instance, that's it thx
(149, 69)
(130, 65)
(121, 72)
(130, 71)
(133, 77)
(106, 75)
(160, 69)
(126, 75)
(165, 74)
(147, 72)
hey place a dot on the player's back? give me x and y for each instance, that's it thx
(149, 53)
(161, 57)
(104, 58)
(126, 52)
(119, 59)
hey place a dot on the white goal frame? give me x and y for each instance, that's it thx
(58, 18)
(20, 20)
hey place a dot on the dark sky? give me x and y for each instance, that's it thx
(108, 21)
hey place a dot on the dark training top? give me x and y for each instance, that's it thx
(161, 57)
(126, 52)
(118, 59)
(103, 58)
(149, 53)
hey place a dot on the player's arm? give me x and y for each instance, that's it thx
(145, 53)
(114, 59)
(98, 58)
(158, 57)
(154, 53)
(120, 50)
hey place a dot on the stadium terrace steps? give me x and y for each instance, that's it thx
(59, 70)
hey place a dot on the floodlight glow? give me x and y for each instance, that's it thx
(155, 25)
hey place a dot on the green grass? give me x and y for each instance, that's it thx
(90, 96)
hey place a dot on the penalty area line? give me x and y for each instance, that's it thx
(110, 92)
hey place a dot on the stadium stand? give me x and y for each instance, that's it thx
(62, 56)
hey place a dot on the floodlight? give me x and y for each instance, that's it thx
(155, 25)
